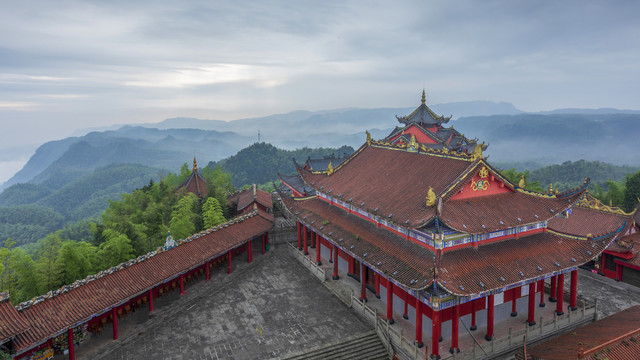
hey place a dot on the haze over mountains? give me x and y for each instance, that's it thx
(553, 137)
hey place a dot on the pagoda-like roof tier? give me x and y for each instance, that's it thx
(423, 115)
(465, 271)
(393, 183)
(47, 316)
(195, 184)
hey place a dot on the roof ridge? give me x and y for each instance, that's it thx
(68, 287)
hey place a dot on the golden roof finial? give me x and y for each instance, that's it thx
(195, 164)
(431, 197)
(477, 152)
(551, 188)
(610, 202)
(424, 97)
(521, 183)
(368, 137)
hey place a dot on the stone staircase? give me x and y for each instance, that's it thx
(366, 346)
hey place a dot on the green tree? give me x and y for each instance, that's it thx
(26, 275)
(615, 194)
(45, 265)
(75, 261)
(184, 217)
(212, 213)
(631, 191)
(117, 249)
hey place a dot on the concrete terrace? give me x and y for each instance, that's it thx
(263, 310)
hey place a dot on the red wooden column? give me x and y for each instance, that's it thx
(72, 352)
(151, 300)
(181, 284)
(419, 323)
(574, 291)
(335, 263)
(377, 285)
(560, 294)
(405, 314)
(389, 300)
(514, 311)
(531, 315)
(435, 334)
(304, 235)
(541, 290)
(114, 315)
(318, 250)
(473, 316)
(331, 253)
(552, 291)
(207, 265)
(229, 261)
(455, 320)
(363, 281)
(250, 251)
(299, 237)
(490, 309)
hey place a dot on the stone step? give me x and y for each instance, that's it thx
(359, 347)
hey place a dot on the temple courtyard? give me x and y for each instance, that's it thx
(274, 307)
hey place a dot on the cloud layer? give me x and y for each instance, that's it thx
(75, 64)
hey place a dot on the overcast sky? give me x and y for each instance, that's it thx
(66, 65)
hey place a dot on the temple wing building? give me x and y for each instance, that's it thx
(445, 231)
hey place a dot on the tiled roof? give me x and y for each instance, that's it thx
(609, 332)
(296, 182)
(195, 184)
(394, 181)
(323, 164)
(55, 314)
(631, 247)
(246, 197)
(583, 221)
(502, 211)
(486, 264)
(463, 271)
(12, 323)
(423, 115)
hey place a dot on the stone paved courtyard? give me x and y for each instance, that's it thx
(263, 310)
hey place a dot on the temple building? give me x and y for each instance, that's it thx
(195, 183)
(621, 260)
(440, 230)
(247, 200)
(425, 127)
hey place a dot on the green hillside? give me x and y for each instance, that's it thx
(260, 163)
(31, 211)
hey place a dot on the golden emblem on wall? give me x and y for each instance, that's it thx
(484, 173)
(480, 185)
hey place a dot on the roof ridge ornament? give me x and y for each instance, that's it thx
(329, 168)
(424, 97)
(195, 165)
(368, 137)
(522, 183)
(477, 152)
(431, 197)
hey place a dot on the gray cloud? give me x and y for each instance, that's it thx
(73, 64)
